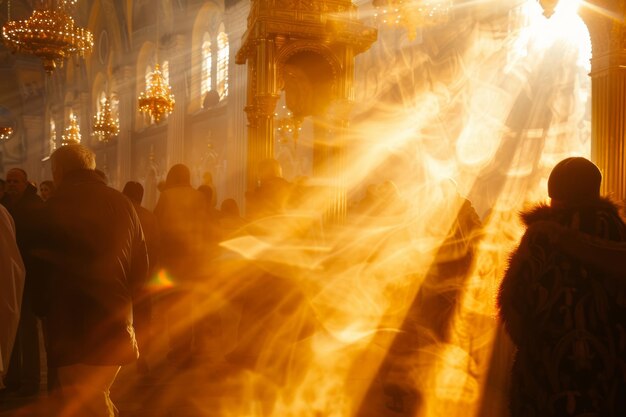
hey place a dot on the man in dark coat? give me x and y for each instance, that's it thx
(93, 255)
(565, 314)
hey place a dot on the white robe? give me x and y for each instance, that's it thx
(11, 287)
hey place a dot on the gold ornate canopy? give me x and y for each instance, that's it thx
(307, 49)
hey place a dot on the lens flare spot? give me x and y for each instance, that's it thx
(161, 280)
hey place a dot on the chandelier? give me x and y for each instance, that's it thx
(412, 14)
(287, 126)
(157, 101)
(72, 132)
(49, 33)
(6, 132)
(105, 127)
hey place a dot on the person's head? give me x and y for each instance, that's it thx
(46, 189)
(17, 181)
(269, 168)
(230, 207)
(207, 178)
(573, 181)
(208, 193)
(178, 175)
(134, 191)
(70, 158)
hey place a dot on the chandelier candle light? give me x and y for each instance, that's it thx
(105, 127)
(49, 33)
(72, 132)
(158, 100)
(5, 132)
(412, 14)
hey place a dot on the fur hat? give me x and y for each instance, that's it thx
(574, 180)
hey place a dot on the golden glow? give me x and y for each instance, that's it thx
(49, 34)
(162, 280)
(5, 132)
(105, 127)
(157, 100)
(327, 322)
(412, 14)
(72, 132)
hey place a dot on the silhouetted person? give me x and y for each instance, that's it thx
(143, 303)
(46, 189)
(24, 205)
(181, 215)
(11, 287)
(565, 314)
(92, 254)
(2, 190)
(272, 193)
(211, 228)
(230, 219)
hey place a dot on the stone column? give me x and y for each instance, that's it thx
(608, 98)
(176, 120)
(127, 103)
(236, 133)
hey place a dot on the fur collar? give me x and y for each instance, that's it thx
(544, 212)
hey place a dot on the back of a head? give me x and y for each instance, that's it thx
(134, 191)
(71, 158)
(207, 192)
(178, 174)
(269, 168)
(230, 207)
(574, 180)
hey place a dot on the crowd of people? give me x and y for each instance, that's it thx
(85, 263)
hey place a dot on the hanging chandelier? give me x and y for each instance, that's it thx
(412, 14)
(157, 101)
(49, 33)
(105, 127)
(6, 132)
(72, 133)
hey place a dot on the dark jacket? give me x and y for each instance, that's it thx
(181, 217)
(93, 256)
(567, 319)
(25, 212)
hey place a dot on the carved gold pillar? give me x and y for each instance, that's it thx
(608, 96)
(307, 49)
(261, 102)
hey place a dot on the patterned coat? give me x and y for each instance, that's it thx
(567, 319)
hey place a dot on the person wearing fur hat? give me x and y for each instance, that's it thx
(565, 314)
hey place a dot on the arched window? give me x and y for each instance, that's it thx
(52, 140)
(165, 70)
(222, 63)
(148, 74)
(101, 99)
(207, 65)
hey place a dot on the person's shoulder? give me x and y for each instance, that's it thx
(6, 218)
